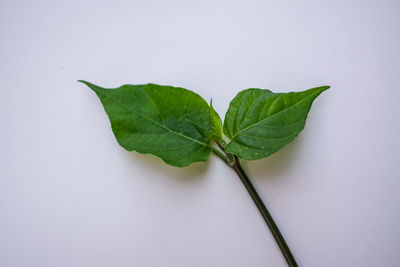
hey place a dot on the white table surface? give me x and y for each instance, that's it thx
(70, 196)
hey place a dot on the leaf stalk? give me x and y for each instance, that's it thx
(236, 166)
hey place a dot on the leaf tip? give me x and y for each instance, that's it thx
(320, 89)
(325, 87)
(86, 83)
(91, 86)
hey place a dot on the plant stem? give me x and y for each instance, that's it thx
(263, 210)
(220, 155)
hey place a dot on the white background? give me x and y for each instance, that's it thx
(70, 196)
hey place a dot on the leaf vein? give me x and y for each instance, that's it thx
(158, 124)
(268, 117)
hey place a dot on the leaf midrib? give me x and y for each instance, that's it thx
(255, 124)
(154, 122)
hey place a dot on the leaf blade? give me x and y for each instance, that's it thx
(216, 124)
(260, 122)
(152, 119)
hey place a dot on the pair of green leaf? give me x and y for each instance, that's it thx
(179, 126)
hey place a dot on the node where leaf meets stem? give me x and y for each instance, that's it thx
(261, 207)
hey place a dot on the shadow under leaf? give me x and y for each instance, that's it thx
(192, 172)
(274, 165)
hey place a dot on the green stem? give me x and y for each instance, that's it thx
(220, 155)
(263, 210)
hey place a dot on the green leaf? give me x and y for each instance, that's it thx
(168, 122)
(216, 124)
(260, 122)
